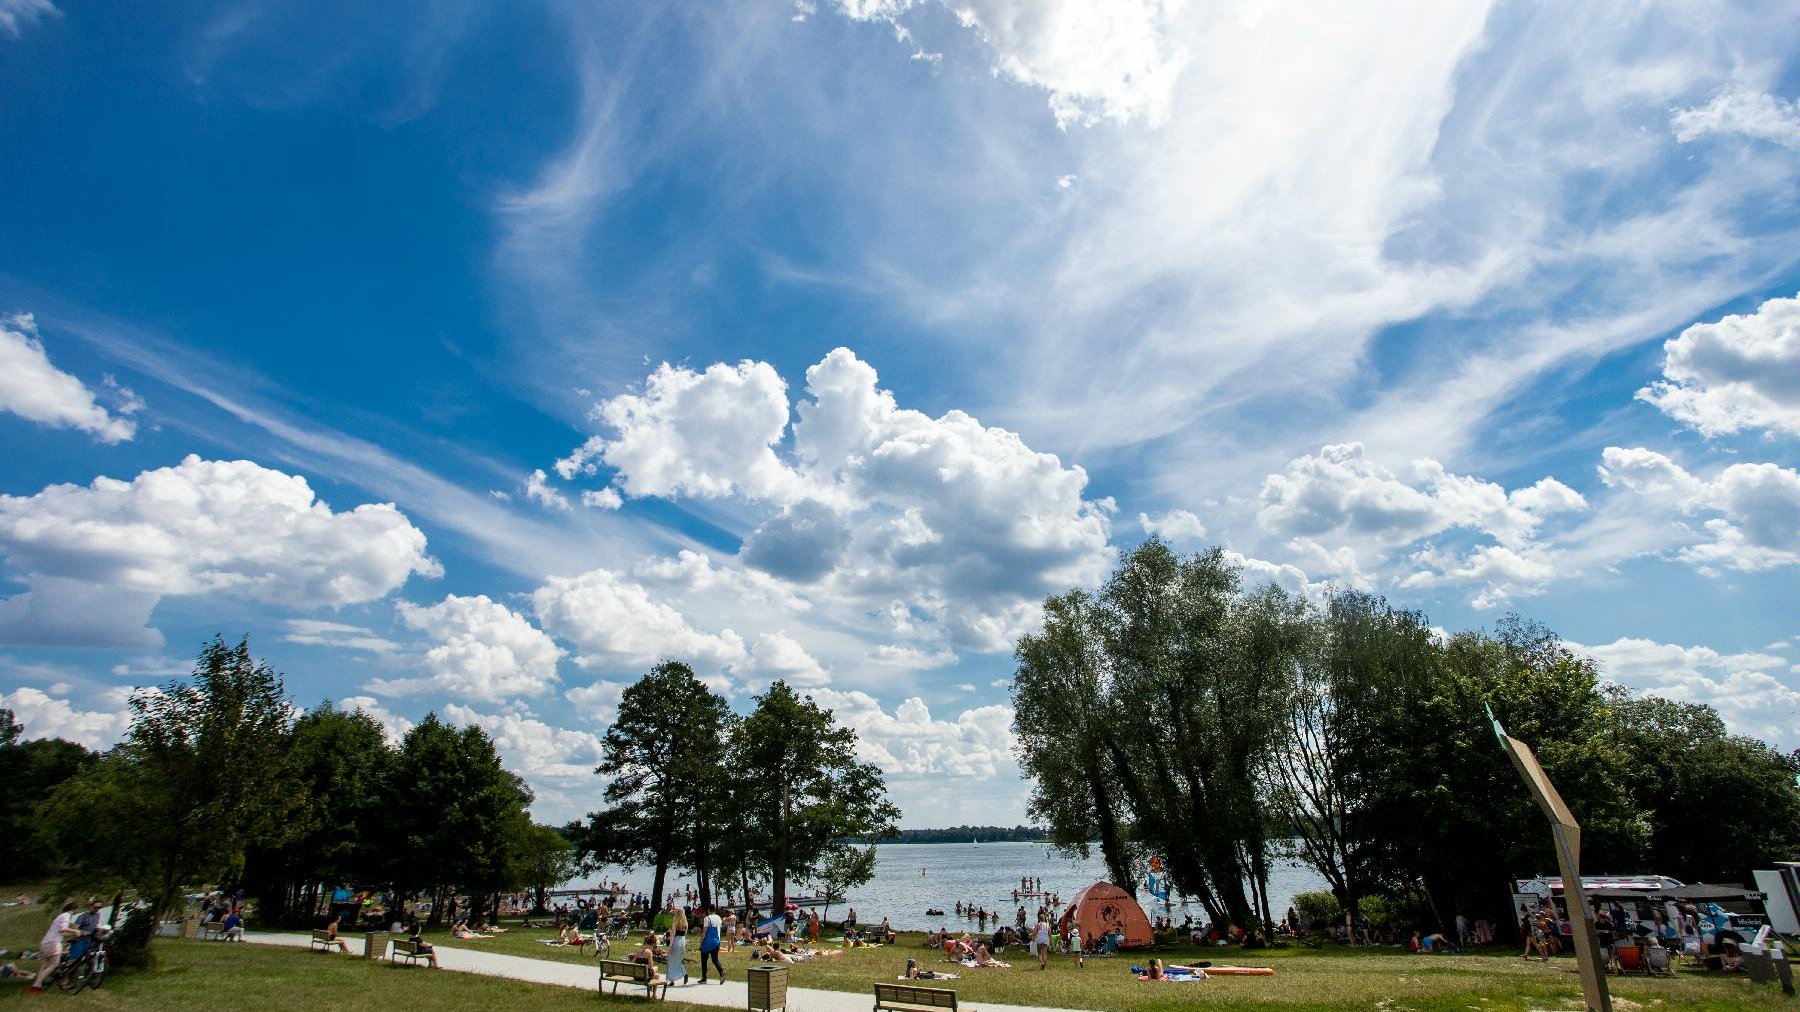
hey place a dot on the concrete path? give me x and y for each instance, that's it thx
(731, 994)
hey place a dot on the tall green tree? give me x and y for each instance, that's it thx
(1364, 667)
(1062, 721)
(31, 769)
(811, 791)
(340, 759)
(664, 757)
(200, 777)
(449, 809)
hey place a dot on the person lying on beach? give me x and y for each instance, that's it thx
(983, 958)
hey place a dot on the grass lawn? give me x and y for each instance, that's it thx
(1305, 979)
(208, 974)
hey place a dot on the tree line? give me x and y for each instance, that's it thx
(772, 797)
(967, 834)
(1174, 713)
(222, 781)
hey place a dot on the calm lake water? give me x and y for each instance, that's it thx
(983, 874)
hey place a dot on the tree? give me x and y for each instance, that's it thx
(1060, 719)
(845, 867)
(1719, 805)
(30, 770)
(664, 754)
(812, 792)
(341, 760)
(539, 858)
(450, 807)
(200, 777)
(1362, 668)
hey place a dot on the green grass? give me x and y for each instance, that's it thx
(205, 975)
(1305, 979)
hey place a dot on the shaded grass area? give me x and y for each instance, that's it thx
(1305, 979)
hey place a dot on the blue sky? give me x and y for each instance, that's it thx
(472, 358)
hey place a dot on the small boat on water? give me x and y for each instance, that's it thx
(933, 912)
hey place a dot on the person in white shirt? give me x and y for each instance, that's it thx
(50, 948)
(1040, 943)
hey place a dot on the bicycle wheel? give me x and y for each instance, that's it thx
(75, 977)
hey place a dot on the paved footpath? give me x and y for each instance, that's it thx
(731, 994)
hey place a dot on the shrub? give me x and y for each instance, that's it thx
(1320, 909)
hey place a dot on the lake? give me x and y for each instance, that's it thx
(984, 874)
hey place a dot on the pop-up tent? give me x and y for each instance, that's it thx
(1103, 908)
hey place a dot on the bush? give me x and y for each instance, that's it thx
(1320, 909)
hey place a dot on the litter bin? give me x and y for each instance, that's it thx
(375, 944)
(768, 988)
(190, 924)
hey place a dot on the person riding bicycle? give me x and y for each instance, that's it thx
(50, 947)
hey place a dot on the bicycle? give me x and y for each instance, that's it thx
(86, 970)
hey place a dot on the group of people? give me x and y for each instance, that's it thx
(1039, 940)
(76, 931)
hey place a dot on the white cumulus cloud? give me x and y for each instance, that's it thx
(32, 388)
(1744, 687)
(538, 490)
(1749, 513)
(46, 716)
(97, 558)
(1179, 526)
(1735, 374)
(617, 625)
(978, 743)
(483, 650)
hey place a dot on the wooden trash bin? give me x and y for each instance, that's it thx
(375, 944)
(768, 988)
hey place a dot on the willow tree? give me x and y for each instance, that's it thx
(1061, 718)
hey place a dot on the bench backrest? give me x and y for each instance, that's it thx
(625, 968)
(321, 936)
(936, 997)
(406, 945)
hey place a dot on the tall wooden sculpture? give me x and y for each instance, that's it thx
(1567, 834)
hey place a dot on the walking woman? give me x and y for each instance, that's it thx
(709, 944)
(678, 930)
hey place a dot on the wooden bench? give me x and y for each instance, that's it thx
(625, 971)
(910, 998)
(212, 929)
(324, 940)
(407, 949)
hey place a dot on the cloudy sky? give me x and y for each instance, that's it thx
(475, 357)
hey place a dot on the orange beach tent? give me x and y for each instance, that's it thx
(1102, 908)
